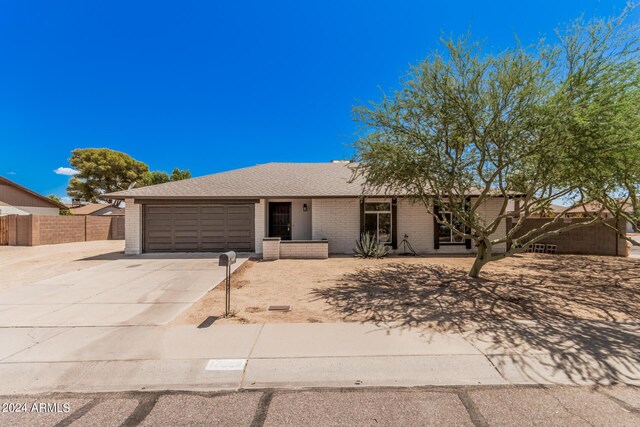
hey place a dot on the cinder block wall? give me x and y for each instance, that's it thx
(34, 230)
(117, 227)
(57, 229)
(596, 239)
(98, 227)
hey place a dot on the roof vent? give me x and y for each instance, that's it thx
(343, 162)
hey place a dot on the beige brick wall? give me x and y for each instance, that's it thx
(260, 225)
(132, 228)
(304, 250)
(271, 249)
(417, 223)
(338, 221)
(414, 221)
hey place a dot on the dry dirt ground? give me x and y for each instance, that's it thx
(430, 291)
(23, 265)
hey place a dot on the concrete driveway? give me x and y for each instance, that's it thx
(143, 290)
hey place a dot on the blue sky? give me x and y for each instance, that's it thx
(212, 86)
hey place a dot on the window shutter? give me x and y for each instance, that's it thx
(436, 227)
(361, 216)
(394, 223)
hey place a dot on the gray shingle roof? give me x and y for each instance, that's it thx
(269, 180)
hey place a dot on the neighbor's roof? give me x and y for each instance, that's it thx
(593, 207)
(91, 208)
(271, 180)
(6, 181)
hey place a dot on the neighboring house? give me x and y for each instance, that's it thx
(94, 209)
(18, 200)
(305, 202)
(591, 209)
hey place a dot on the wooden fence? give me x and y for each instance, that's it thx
(4, 231)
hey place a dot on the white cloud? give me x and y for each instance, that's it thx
(11, 173)
(65, 171)
(66, 199)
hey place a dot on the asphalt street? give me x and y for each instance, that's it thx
(472, 406)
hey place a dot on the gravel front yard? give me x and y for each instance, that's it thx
(430, 291)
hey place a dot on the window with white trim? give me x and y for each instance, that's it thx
(447, 235)
(377, 220)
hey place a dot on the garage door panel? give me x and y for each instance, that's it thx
(191, 223)
(160, 247)
(186, 237)
(235, 221)
(186, 210)
(212, 228)
(212, 222)
(239, 209)
(239, 234)
(157, 210)
(160, 221)
(213, 210)
(221, 238)
(160, 234)
(184, 247)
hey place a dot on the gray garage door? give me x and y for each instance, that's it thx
(199, 228)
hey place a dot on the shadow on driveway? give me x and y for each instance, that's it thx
(563, 314)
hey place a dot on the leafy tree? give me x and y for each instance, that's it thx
(55, 198)
(65, 212)
(102, 170)
(160, 177)
(542, 124)
(154, 177)
(179, 175)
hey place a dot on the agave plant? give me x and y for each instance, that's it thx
(369, 247)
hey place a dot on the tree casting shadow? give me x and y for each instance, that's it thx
(563, 313)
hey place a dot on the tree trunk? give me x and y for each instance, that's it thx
(483, 256)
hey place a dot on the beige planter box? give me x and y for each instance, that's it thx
(274, 248)
(270, 248)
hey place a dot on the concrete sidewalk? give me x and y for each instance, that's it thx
(281, 355)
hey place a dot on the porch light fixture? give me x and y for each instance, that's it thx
(304, 207)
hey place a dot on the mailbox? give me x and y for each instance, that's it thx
(226, 259)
